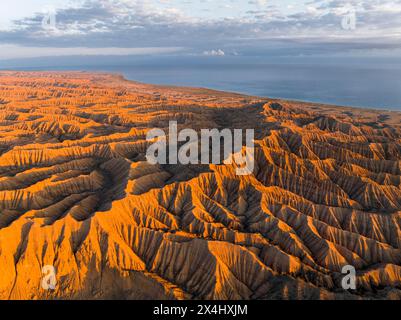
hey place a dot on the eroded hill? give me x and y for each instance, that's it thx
(76, 192)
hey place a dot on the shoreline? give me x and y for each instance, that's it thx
(123, 77)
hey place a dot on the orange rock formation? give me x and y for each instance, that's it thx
(77, 193)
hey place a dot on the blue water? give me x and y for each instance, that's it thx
(370, 83)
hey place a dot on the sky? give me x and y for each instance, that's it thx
(43, 28)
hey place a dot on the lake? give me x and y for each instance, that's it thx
(371, 83)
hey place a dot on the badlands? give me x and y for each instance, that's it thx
(77, 193)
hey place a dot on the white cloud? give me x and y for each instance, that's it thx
(17, 52)
(214, 53)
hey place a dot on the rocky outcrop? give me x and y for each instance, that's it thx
(77, 193)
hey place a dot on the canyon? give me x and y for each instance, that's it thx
(77, 193)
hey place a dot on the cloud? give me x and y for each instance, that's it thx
(254, 27)
(18, 52)
(214, 53)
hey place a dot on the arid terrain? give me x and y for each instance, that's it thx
(76, 192)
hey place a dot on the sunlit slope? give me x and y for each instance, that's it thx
(76, 192)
